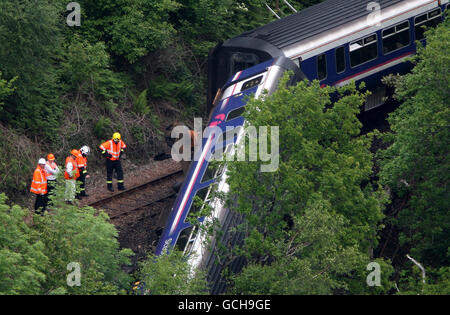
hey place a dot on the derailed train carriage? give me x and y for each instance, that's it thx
(202, 174)
(334, 42)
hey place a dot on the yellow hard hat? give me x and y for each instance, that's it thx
(116, 135)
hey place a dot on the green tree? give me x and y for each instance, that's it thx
(84, 236)
(86, 70)
(31, 41)
(34, 257)
(415, 166)
(324, 168)
(6, 89)
(170, 273)
(22, 258)
(131, 28)
(306, 262)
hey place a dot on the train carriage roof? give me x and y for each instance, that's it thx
(313, 20)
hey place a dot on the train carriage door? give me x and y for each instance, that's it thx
(340, 59)
(322, 67)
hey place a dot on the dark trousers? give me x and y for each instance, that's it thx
(82, 180)
(110, 167)
(40, 205)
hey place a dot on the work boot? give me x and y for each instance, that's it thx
(120, 187)
(110, 188)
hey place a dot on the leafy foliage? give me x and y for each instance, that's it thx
(6, 88)
(18, 158)
(87, 70)
(132, 29)
(30, 37)
(416, 164)
(22, 260)
(317, 207)
(34, 259)
(170, 274)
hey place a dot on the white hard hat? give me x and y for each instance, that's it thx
(85, 150)
(42, 161)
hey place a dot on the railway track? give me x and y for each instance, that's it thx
(139, 197)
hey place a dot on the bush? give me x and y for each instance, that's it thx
(35, 260)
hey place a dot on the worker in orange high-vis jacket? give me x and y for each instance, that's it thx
(71, 174)
(82, 168)
(112, 150)
(39, 187)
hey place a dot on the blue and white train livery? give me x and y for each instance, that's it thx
(335, 41)
(202, 174)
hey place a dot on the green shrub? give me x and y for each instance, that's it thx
(102, 128)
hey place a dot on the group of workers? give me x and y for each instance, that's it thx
(44, 176)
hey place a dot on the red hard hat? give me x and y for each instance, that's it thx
(50, 157)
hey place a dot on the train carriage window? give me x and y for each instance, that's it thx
(241, 61)
(340, 59)
(191, 240)
(201, 195)
(183, 238)
(363, 50)
(186, 239)
(213, 170)
(322, 66)
(395, 37)
(231, 133)
(430, 19)
(237, 112)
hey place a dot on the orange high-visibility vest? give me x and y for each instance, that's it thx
(39, 183)
(81, 161)
(113, 148)
(69, 159)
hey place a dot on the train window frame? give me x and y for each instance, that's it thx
(218, 172)
(234, 111)
(191, 239)
(336, 59)
(397, 29)
(418, 25)
(181, 234)
(235, 131)
(204, 199)
(362, 43)
(243, 55)
(317, 64)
